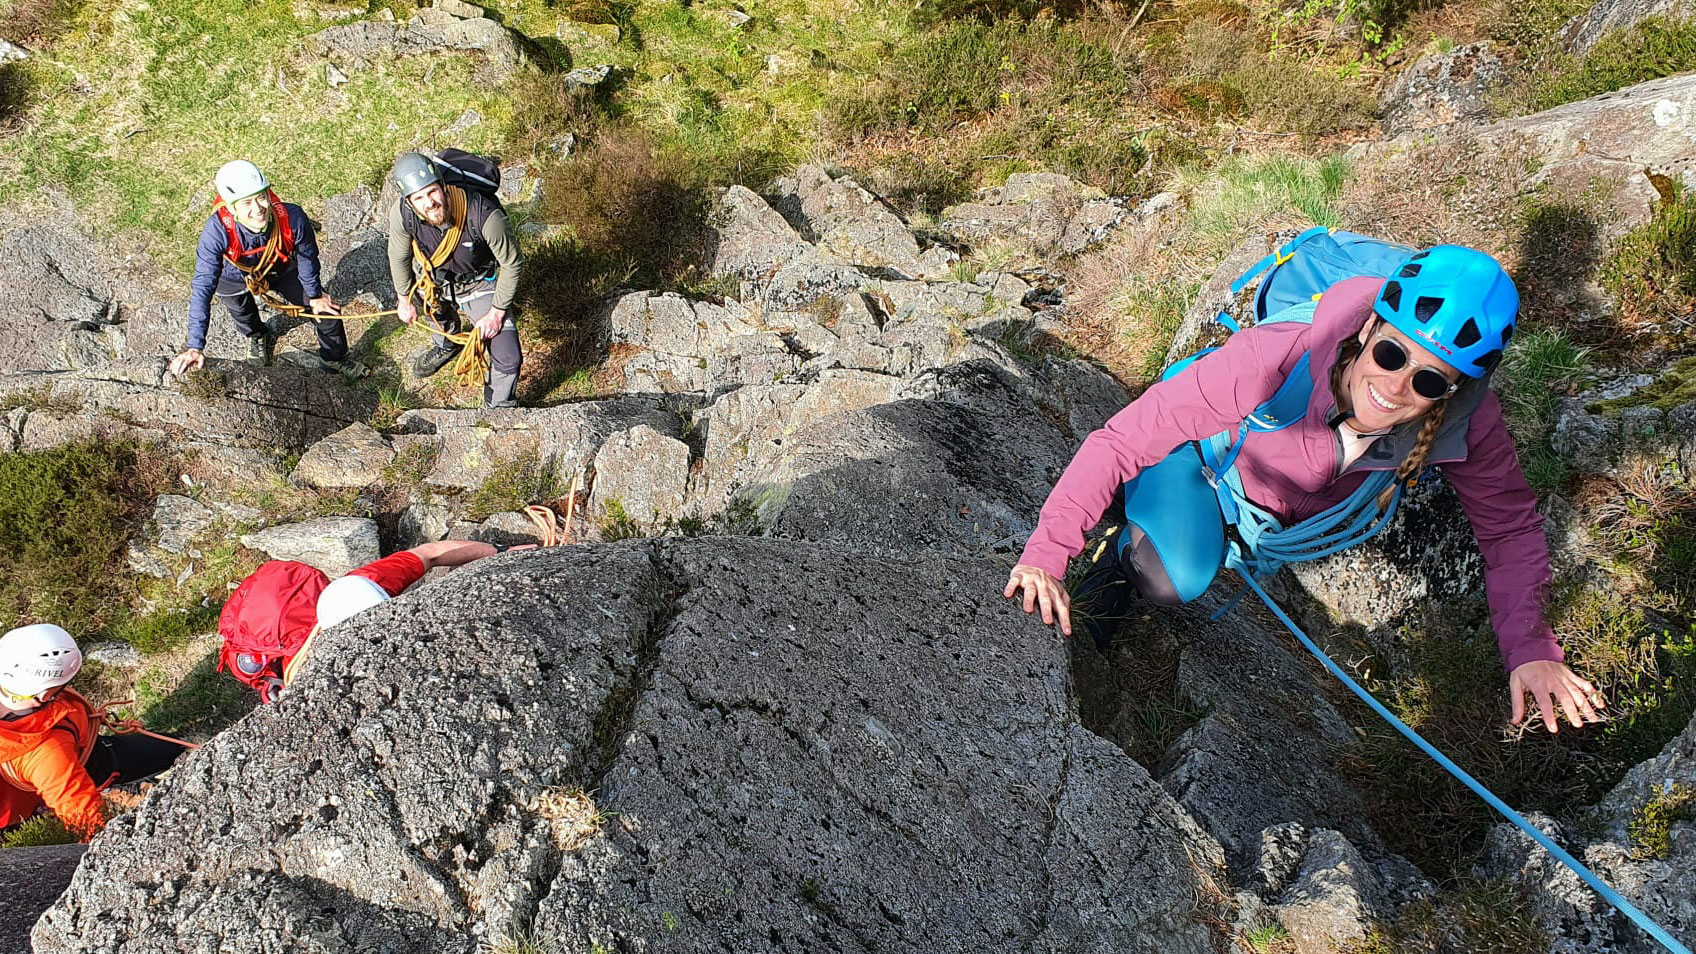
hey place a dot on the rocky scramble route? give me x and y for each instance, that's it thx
(831, 735)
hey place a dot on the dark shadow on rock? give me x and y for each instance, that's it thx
(31, 879)
(1560, 250)
(363, 269)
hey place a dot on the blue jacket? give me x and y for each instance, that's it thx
(212, 269)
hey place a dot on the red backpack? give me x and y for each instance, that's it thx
(266, 620)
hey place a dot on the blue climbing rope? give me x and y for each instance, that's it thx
(1560, 854)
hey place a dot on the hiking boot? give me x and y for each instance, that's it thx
(346, 367)
(260, 349)
(433, 359)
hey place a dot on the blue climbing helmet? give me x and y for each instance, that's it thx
(1456, 302)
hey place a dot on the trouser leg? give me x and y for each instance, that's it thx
(130, 758)
(244, 311)
(506, 357)
(332, 336)
(505, 360)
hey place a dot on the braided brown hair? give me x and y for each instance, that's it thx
(1347, 353)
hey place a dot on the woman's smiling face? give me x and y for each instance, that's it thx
(1381, 398)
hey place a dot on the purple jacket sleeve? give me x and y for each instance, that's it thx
(1502, 508)
(1212, 394)
(306, 253)
(208, 265)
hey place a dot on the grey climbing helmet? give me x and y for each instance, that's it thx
(414, 171)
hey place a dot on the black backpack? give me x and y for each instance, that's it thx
(469, 170)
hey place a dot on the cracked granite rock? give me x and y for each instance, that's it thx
(772, 765)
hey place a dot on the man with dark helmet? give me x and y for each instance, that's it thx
(454, 245)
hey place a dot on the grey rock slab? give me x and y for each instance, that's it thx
(508, 528)
(1442, 88)
(749, 818)
(31, 879)
(353, 457)
(429, 31)
(335, 545)
(1335, 898)
(1606, 16)
(855, 226)
(1661, 887)
(178, 520)
(470, 445)
(421, 522)
(1651, 125)
(116, 654)
(645, 473)
(356, 813)
(1048, 213)
(458, 8)
(11, 52)
(858, 777)
(751, 236)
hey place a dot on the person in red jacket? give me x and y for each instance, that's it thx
(51, 751)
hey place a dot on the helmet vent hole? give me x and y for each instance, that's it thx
(1409, 270)
(1392, 295)
(1507, 335)
(1425, 308)
(1415, 258)
(1468, 335)
(1489, 361)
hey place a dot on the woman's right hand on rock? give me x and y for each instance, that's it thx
(1041, 588)
(190, 358)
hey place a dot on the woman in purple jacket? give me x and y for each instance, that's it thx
(1401, 380)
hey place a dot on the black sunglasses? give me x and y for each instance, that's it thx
(1428, 383)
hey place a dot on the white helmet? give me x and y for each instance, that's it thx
(238, 179)
(347, 597)
(34, 659)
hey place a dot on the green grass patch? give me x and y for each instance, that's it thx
(201, 703)
(45, 829)
(1651, 49)
(1650, 828)
(1479, 916)
(1246, 193)
(64, 517)
(1651, 272)
(1542, 367)
(616, 524)
(515, 484)
(143, 103)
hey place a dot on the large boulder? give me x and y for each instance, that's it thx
(1644, 127)
(1045, 213)
(1442, 88)
(694, 746)
(335, 545)
(429, 31)
(1606, 16)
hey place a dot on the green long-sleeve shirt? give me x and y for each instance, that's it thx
(497, 233)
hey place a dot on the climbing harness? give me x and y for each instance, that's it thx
(1259, 545)
(98, 717)
(277, 250)
(471, 367)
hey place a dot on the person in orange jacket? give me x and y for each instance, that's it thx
(51, 751)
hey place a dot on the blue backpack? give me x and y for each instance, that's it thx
(1294, 278)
